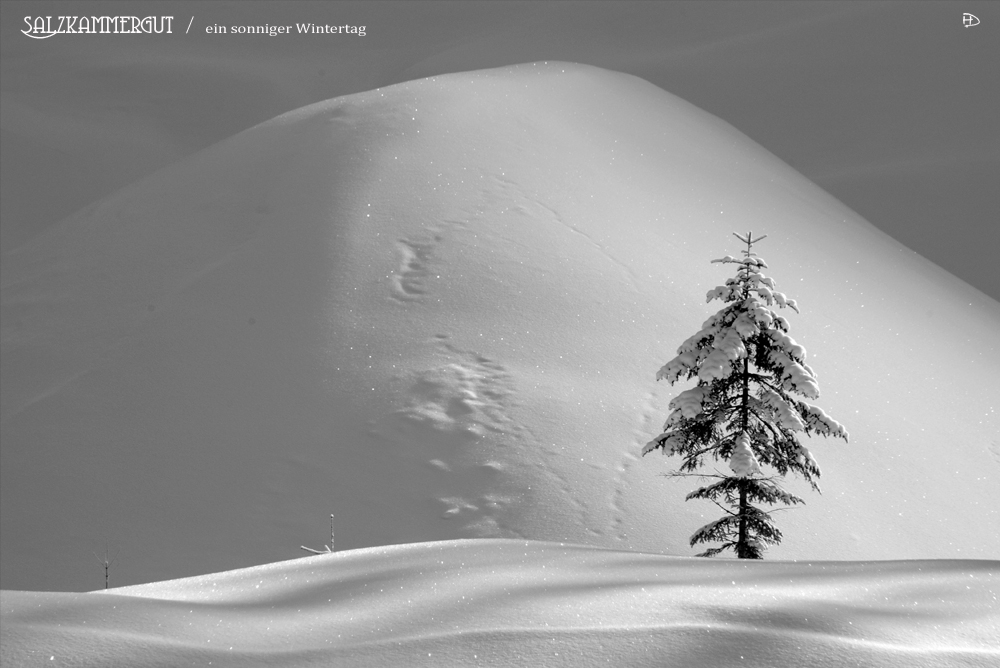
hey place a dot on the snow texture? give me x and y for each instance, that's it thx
(432, 309)
(523, 603)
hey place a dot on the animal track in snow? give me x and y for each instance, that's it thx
(545, 458)
(417, 258)
(455, 506)
(994, 447)
(453, 419)
(408, 283)
(647, 427)
(617, 503)
(516, 198)
(462, 397)
(500, 196)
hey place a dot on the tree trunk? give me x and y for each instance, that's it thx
(742, 544)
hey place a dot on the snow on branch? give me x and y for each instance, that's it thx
(690, 402)
(794, 376)
(743, 462)
(670, 442)
(786, 417)
(818, 421)
(728, 258)
(716, 366)
(788, 345)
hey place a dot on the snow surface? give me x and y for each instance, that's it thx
(505, 602)
(436, 310)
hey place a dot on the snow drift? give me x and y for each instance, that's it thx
(436, 310)
(523, 603)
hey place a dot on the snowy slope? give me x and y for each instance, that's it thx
(523, 603)
(436, 310)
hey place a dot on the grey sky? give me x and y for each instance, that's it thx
(889, 106)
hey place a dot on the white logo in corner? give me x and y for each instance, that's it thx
(969, 20)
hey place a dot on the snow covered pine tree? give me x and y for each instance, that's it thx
(741, 410)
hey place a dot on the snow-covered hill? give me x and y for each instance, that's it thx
(436, 310)
(523, 603)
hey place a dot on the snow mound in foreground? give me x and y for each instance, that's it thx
(500, 602)
(436, 310)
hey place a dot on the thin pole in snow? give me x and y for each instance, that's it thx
(328, 549)
(106, 563)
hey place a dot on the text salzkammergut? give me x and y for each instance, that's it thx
(41, 27)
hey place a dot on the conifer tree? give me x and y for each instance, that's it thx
(742, 410)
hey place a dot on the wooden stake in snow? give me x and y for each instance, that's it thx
(327, 548)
